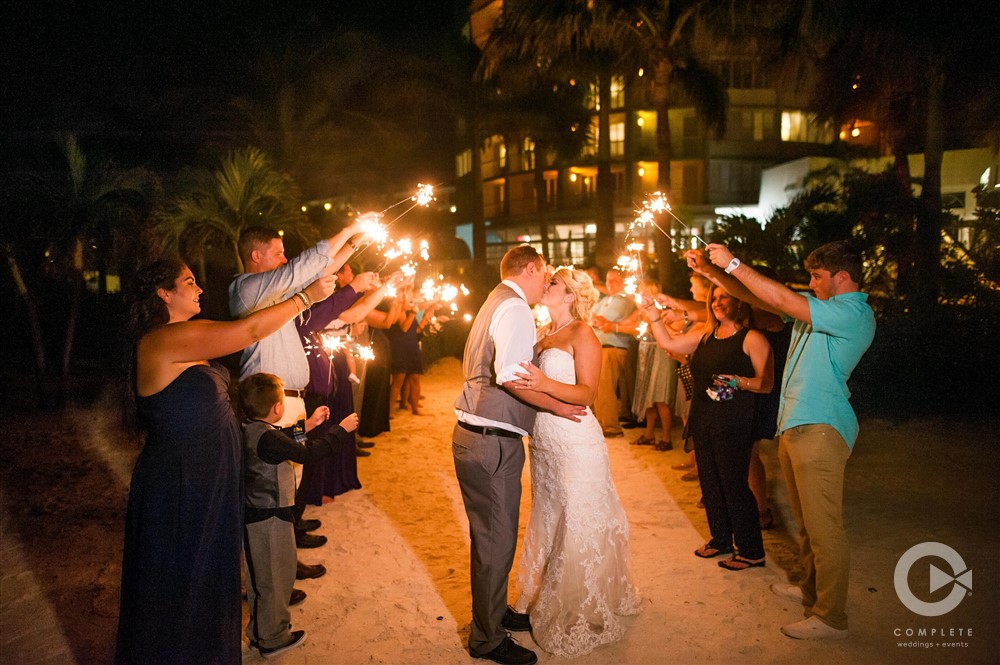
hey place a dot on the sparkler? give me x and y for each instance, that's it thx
(656, 204)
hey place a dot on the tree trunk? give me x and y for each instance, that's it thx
(542, 200)
(930, 215)
(37, 342)
(605, 217)
(664, 155)
(480, 267)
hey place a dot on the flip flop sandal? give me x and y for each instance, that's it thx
(706, 551)
(738, 563)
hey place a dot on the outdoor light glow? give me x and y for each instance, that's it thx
(572, 177)
(642, 171)
(453, 209)
(281, 233)
(640, 121)
(590, 228)
(467, 318)
(327, 205)
(304, 208)
(855, 132)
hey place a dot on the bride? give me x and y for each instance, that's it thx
(574, 567)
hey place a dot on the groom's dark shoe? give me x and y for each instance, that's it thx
(514, 621)
(508, 652)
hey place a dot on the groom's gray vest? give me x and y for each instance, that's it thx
(480, 394)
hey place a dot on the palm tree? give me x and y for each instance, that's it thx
(522, 102)
(590, 37)
(79, 215)
(617, 38)
(245, 190)
(921, 76)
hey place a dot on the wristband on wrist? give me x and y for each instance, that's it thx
(306, 302)
(733, 265)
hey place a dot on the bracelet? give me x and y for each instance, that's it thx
(687, 319)
(306, 302)
(733, 265)
(295, 299)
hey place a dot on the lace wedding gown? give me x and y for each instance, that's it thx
(574, 566)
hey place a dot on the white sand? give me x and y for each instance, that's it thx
(397, 591)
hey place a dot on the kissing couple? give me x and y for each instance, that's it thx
(574, 574)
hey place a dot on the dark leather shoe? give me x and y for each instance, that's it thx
(365, 444)
(508, 652)
(361, 453)
(515, 621)
(298, 595)
(307, 525)
(307, 541)
(298, 638)
(307, 572)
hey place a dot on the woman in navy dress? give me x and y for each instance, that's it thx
(180, 595)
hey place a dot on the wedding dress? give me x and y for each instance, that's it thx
(574, 566)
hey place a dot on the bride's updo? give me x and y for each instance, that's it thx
(579, 284)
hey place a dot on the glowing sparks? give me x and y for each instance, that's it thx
(467, 318)
(364, 352)
(425, 250)
(424, 195)
(641, 329)
(408, 270)
(333, 343)
(372, 228)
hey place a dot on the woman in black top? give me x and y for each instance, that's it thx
(729, 363)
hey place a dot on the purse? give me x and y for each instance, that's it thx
(684, 374)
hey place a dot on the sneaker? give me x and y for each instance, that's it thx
(792, 592)
(298, 639)
(813, 629)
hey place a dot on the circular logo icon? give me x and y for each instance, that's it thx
(960, 578)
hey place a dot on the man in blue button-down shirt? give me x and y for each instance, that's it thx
(817, 427)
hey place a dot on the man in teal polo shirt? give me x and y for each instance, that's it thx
(817, 427)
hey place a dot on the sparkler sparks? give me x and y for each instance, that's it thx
(424, 195)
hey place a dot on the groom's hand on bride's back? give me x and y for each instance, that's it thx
(569, 411)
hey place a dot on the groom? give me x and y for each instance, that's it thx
(489, 452)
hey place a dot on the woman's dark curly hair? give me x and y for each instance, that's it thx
(146, 310)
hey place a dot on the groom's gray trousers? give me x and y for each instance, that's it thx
(489, 472)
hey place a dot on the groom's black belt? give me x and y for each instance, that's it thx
(489, 431)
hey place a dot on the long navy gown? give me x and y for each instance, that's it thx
(180, 598)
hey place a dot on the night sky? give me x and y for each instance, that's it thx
(138, 69)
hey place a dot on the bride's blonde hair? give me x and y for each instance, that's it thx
(580, 285)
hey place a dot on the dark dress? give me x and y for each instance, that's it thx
(723, 441)
(374, 412)
(328, 385)
(180, 595)
(765, 418)
(406, 357)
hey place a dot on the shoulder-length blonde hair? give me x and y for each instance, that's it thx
(580, 285)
